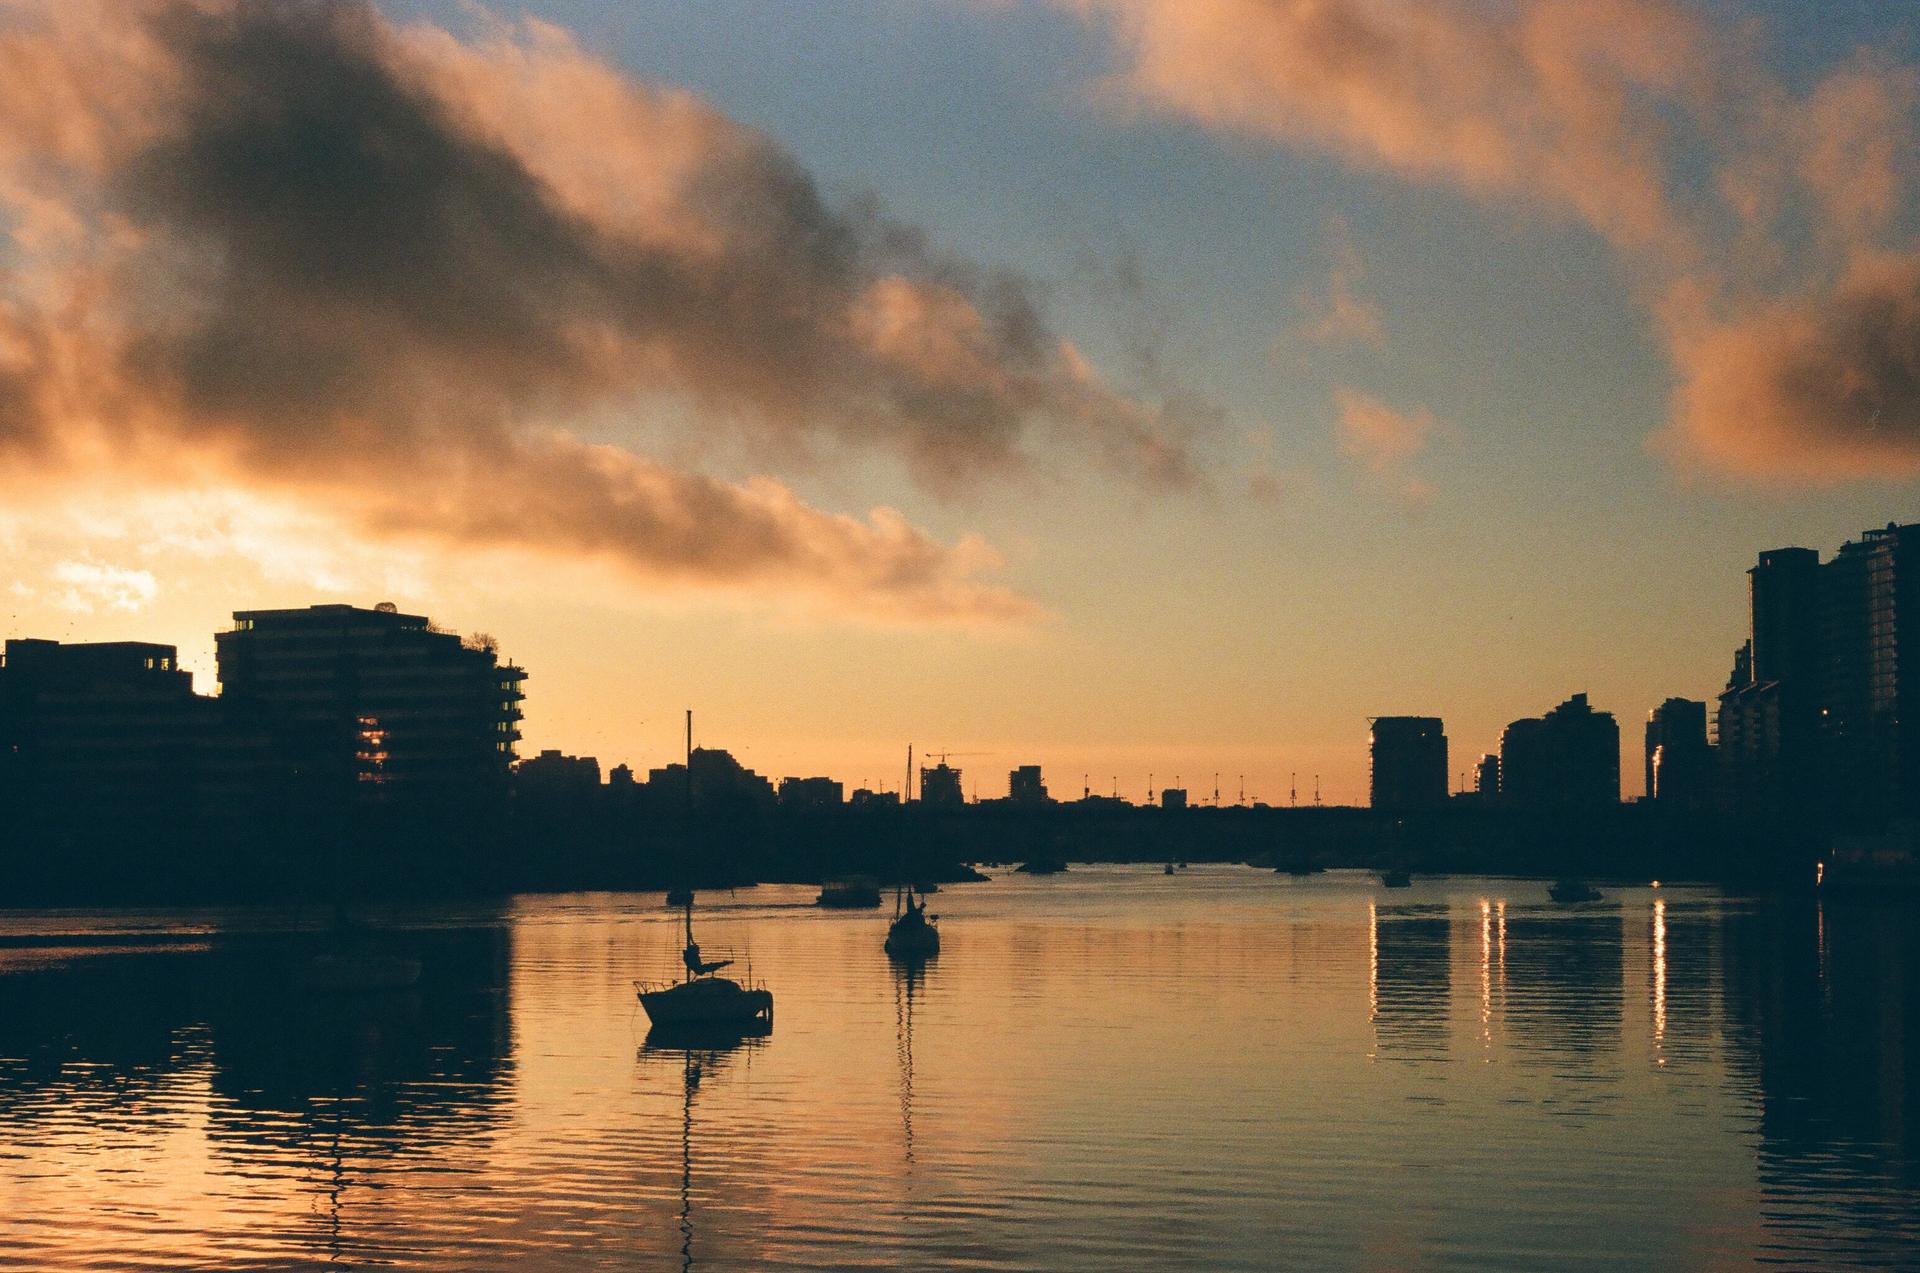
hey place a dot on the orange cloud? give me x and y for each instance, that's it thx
(1382, 440)
(1815, 387)
(1783, 283)
(299, 246)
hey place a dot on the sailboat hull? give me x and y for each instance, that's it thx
(707, 1001)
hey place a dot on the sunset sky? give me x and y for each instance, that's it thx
(1123, 386)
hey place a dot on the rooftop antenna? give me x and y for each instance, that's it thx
(906, 792)
(1116, 786)
(1243, 788)
(1149, 786)
(1086, 785)
(1316, 789)
(689, 760)
(1216, 788)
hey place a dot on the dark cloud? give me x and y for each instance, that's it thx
(347, 253)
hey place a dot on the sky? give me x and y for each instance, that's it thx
(1140, 388)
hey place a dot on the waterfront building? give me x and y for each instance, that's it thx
(552, 774)
(1025, 786)
(1408, 762)
(940, 786)
(811, 793)
(374, 697)
(1486, 778)
(1173, 797)
(1678, 763)
(1569, 757)
(718, 779)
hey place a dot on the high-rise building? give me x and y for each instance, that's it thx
(1820, 715)
(1869, 707)
(374, 697)
(1173, 797)
(1025, 786)
(114, 720)
(1568, 758)
(940, 785)
(1677, 759)
(1486, 778)
(1408, 762)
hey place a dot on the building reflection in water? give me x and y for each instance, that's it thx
(1563, 989)
(1822, 1003)
(286, 1081)
(1411, 958)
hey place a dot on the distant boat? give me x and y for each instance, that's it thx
(853, 894)
(1299, 867)
(925, 887)
(678, 897)
(704, 1000)
(1042, 866)
(1396, 878)
(912, 934)
(1169, 870)
(1571, 891)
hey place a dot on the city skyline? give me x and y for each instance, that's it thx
(1297, 418)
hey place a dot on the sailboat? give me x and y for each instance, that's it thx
(912, 934)
(702, 999)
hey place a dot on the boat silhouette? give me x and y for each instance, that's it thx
(912, 934)
(701, 999)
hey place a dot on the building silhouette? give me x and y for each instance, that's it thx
(1026, 787)
(1678, 762)
(1173, 797)
(374, 698)
(1819, 716)
(1486, 778)
(1569, 758)
(717, 779)
(112, 722)
(1408, 762)
(811, 793)
(940, 786)
(553, 775)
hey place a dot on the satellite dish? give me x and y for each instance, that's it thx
(387, 607)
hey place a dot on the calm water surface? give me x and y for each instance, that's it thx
(1107, 1069)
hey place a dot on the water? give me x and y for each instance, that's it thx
(1107, 1069)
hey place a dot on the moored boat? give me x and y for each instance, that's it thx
(1396, 878)
(704, 1000)
(1569, 892)
(912, 934)
(855, 893)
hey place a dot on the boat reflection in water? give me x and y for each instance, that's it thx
(703, 1052)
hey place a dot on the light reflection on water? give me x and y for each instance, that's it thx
(1111, 1068)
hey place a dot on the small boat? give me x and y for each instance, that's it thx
(679, 896)
(1042, 866)
(1169, 870)
(1570, 892)
(855, 894)
(925, 887)
(358, 972)
(704, 1000)
(1396, 878)
(912, 934)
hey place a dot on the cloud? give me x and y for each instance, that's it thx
(1340, 315)
(85, 586)
(1810, 388)
(298, 246)
(1763, 227)
(1554, 103)
(1382, 440)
